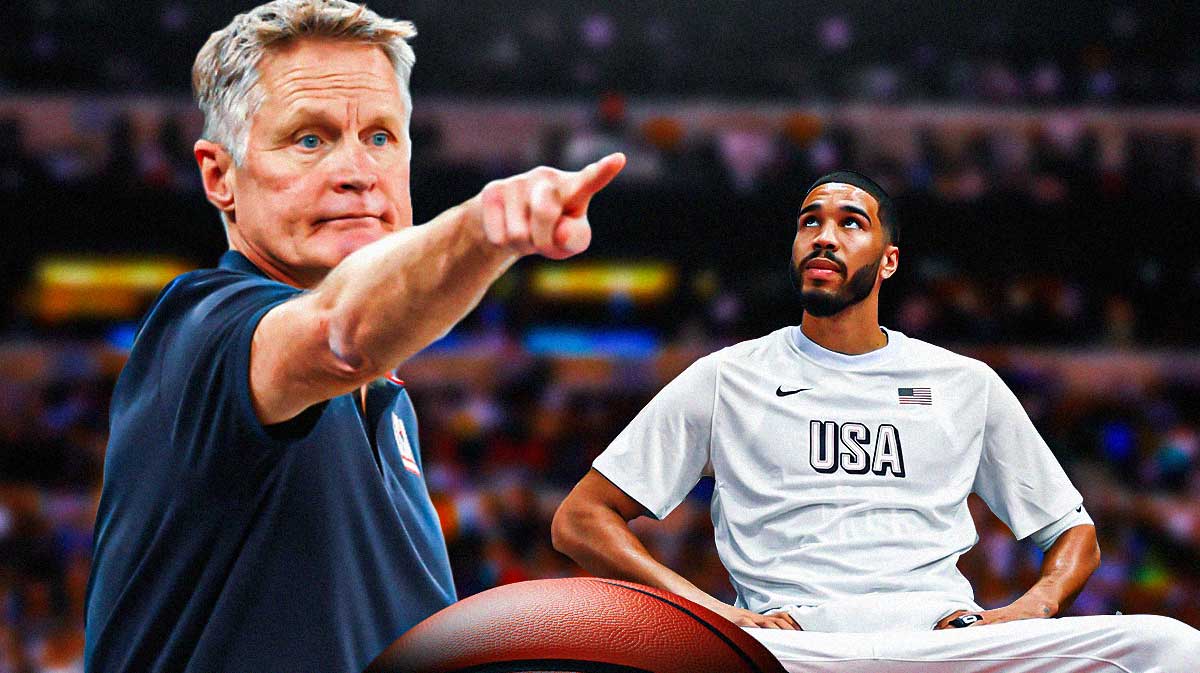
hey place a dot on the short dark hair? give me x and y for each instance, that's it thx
(887, 209)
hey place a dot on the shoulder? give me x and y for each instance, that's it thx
(198, 301)
(922, 354)
(765, 348)
(219, 284)
(705, 371)
(208, 290)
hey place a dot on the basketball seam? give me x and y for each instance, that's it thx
(572, 665)
(728, 641)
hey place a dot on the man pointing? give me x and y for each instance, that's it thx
(264, 507)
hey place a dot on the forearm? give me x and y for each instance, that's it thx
(380, 305)
(600, 541)
(1065, 569)
(392, 298)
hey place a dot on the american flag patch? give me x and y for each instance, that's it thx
(915, 396)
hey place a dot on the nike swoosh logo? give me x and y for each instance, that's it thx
(780, 392)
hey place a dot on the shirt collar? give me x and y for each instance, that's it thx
(832, 359)
(236, 261)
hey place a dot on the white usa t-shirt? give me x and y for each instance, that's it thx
(842, 480)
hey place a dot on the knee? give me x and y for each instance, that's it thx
(1171, 632)
(1175, 645)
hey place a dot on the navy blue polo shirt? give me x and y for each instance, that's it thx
(225, 546)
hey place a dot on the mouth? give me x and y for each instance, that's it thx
(349, 220)
(822, 268)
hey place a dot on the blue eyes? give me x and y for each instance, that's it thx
(312, 141)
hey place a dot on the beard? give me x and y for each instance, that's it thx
(822, 303)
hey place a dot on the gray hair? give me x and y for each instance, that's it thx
(225, 74)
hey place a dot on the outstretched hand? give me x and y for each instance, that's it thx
(544, 211)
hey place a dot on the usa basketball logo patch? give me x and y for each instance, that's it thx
(406, 453)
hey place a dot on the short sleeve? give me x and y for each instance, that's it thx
(195, 343)
(662, 453)
(1018, 477)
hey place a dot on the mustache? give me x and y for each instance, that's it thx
(824, 254)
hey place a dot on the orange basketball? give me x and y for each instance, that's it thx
(579, 625)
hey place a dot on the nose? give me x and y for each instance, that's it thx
(826, 238)
(353, 169)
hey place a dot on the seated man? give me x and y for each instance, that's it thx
(843, 455)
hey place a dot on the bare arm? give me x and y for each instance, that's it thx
(591, 526)
(388, 300)
(1066, 567)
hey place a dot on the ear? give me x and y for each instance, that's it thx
(891, 261)
(218, 175)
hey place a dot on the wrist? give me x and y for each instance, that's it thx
(695, 595)
(1039, 606)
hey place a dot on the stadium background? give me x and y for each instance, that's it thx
(1044, 156)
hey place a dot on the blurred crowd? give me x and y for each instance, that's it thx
(1000, 53)
(500, 457)
(1055, 231)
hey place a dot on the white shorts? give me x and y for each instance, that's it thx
(1101, 644)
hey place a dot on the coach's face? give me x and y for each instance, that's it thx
(841, 252)
(326, 169)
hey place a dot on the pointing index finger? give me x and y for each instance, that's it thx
(583, 185)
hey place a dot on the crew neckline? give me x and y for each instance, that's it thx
(811, 350)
